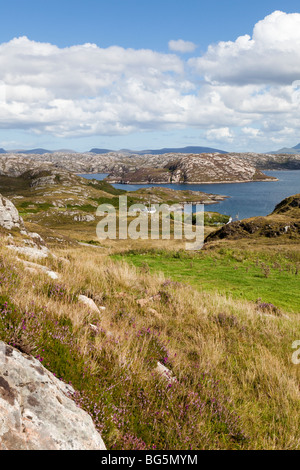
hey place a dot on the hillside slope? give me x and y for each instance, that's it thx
(156, 363)
(288, 150)
(64, 204)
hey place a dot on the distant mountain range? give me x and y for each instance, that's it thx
(162, 151)
(38, 151)
(99, 151)
(290, 150)
(191, 149)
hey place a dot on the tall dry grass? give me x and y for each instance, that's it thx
(246, 352)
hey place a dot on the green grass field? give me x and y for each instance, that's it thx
(250, 276)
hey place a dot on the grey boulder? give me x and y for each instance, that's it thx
(36, 409)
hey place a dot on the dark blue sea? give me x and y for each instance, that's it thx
(245, 199)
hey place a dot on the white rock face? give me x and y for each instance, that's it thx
(35, 411)
(9, 216)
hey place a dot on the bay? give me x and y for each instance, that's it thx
(257, 198)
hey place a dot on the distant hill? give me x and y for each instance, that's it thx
(288, 150)
(100, 151)
(35, 151)
(195, 150)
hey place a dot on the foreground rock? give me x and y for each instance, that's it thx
(35, 411)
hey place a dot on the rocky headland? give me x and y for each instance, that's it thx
(144, 169)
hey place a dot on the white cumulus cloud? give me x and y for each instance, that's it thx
(271, 55)
(222, 134)
(180, 45)
(244, 91)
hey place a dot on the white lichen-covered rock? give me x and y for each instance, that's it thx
(35, 268)
(165, 373)
(36, 252)
(9, 215)
(89, 303)
(36, 412)
(84, 218)
(32, 244)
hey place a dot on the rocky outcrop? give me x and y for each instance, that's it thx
(172, 168)
(14, 165)
(36, 411)
(30, 244)
(166, 168)
(9, 215)
(270, 161)
(49, 177)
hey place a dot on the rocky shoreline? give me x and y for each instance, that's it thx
(116, 181)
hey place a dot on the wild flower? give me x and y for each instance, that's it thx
(268, 308)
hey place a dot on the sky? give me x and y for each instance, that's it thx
(131, 74)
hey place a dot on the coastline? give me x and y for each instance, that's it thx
(188, 182)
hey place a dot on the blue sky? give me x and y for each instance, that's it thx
(134, 23)
(150, 90)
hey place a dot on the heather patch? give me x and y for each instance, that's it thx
(129, 411)
(229, 365)
(8, 276)
(59, 292)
